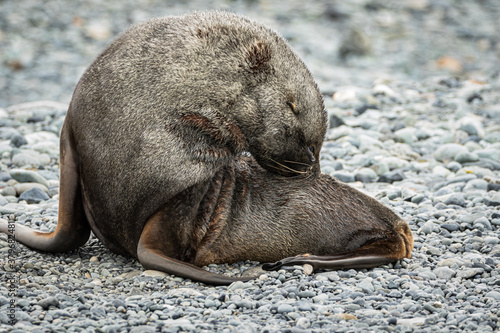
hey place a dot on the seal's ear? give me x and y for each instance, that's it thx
(258, 56)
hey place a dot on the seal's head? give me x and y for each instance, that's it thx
(293, 129)
(284, 111)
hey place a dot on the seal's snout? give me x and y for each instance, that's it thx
(310, 152)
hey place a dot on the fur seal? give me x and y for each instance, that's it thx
(151, 157)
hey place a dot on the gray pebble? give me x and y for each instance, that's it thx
(457, 199)
(444, 273)
(285, 308)
(34, 195)
(47, 302)
(449, 151)
(466, 157)
(28, 176)
(344, 176)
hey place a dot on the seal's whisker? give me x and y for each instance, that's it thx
(299, 163)
(280, 169)
(287, 167)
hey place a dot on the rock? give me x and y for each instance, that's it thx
(468, 273)
(456, 199)
(466, 157)
(450, 226)
(391, 177)
(21, 188)
(30, 158)
(239, 285)
(285, 308)
(380, 167)
(444, 273)
(7, 133)
(365, 175)
(344, 176)
(27, 176)
(472, 126)
(493, 201)
(427, 228)
(153, 273)
(18, 141)
(184, 292)
(34, 195)
(406, 135)
(47, 302)
(493, 294)
(448, 151)
(366, 286)
(482, 223)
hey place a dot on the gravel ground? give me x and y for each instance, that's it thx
(412, 91)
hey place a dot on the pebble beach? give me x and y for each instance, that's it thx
(412, 90)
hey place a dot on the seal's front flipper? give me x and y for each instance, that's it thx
(151, 256)
(72, 229)
(379, 252)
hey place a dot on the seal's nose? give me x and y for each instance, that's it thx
(310, 151)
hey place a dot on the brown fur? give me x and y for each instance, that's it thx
(151, 157)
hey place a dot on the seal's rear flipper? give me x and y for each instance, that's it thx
(72, 229)
(379, 252)
(151, 256)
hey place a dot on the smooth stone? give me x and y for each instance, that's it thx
(344, 176)
(395, 162)
(380, 167)
(492, 154)
(184, 292)
(482, 222)
(7, 133)
(23, 187)
(8, 191)
(42, 136)
(453, 166)
(34, 195)
(469, 273)
(493, 294)
(476, 184)
(406, 135)
(391, 177)
(339, 132)
(448, 151)
(27, 176)
(18, 141)
(22, 159)
(154, 273)
(285, 308)
(457, 199)
(427, 228)
(239, 285)
(303, 322)
(365, 175)
(493, 201)
(440, 170)
(444, 272)
(491, 240)
(450, 226)
(366, 286)
(47, 302)
(466, 157)
(472, 126)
